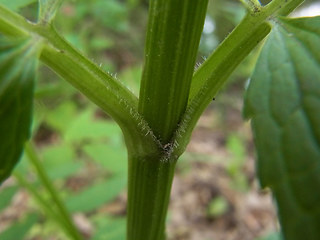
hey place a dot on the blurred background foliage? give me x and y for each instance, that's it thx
(82, 148)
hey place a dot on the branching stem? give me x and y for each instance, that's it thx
(214, 72)
(156, 128)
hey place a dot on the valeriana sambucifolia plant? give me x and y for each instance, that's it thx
(282, 100)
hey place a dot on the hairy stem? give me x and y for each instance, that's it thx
(149, 191)
(100, 87)
(214, 72)
(173, 35)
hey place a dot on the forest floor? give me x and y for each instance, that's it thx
(228, 187)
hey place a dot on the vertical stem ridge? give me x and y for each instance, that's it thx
(173, 37)
(148, 197)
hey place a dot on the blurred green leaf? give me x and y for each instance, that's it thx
(85, 127)
(110, 228)
(232, 11)
(6, 196)
(112, 14)
(17, 75)
(100, 43)
(96, 195)
(218, 206)
(112, 158)
(16, 4)
(48, 9)
(271, 236)
(131, 77)
(23, 166)
(59, 161)
(77, 41)
(235, 145)
(283, 100)
(19, 229)
(62, 116)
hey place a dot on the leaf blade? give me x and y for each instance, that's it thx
(15, 5)
(48, 9)
(17, 74)
(96, 195)
(283, 100)
(20, 229)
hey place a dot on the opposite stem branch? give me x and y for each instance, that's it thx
(214, 72)
(100, 87)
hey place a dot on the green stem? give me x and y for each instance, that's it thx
(43, 177)
(252, 5)
(13, 24)
(44, 205)
(254, 27)
(149, 191)
(100, 87)
(214, 72)
(90, 79)
(173, 36)
(170, 56)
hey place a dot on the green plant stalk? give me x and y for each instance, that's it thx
(214, 72)
(43, 177)
(59, 220)
(151, 159)
(101, 88)
(61, 57)
(148, 195)
(150, 180)
(97, 85)
(252, 5)
(12, 24)
(173, 36)
(252, 26)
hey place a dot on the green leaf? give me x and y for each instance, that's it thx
(116, 11)
(283, 100)
(110, 228)
(48, 9)
(96, 195)
(91, 129)
(16, 4)
(131, 77)
(58, 161)
(17, 75)
(112, 158)
(20, 229)
(6, 195)
(62, 116)
(271, 236)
